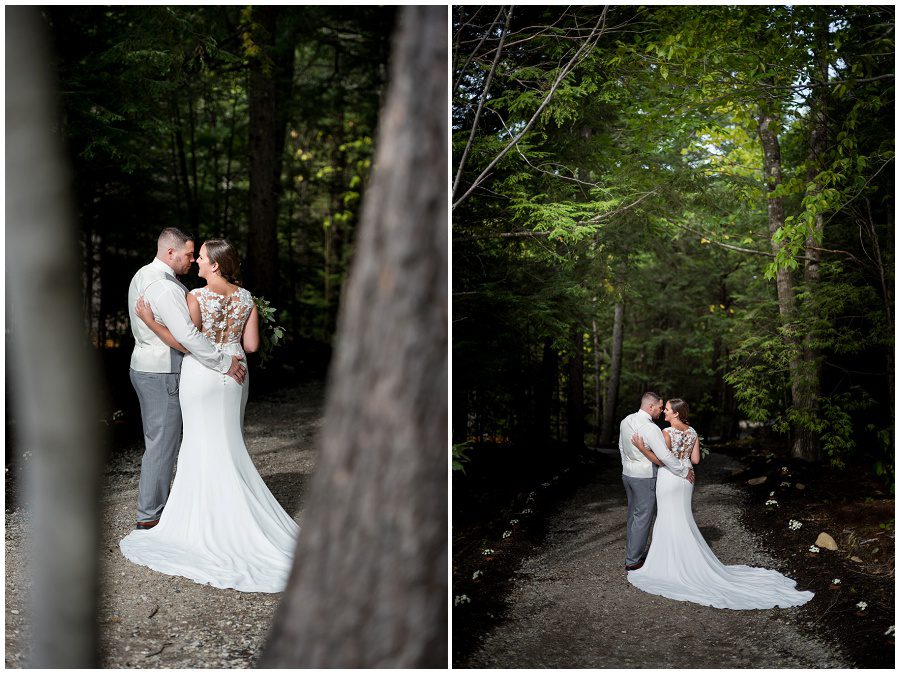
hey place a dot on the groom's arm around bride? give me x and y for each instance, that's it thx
(653, 438)
(168, 302)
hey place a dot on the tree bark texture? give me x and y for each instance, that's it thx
(787, 304)
(262, 247)
(369, 584)
(615, 372)
(57, 392)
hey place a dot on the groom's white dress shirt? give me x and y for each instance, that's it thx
(166, 297)
(635, 464)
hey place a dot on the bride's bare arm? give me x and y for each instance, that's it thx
(145, 313)
(638, 442)
(194, 311)
(250, 339)
(695, 452)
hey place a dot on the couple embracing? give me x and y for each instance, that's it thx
(218, 523)
(657, 471)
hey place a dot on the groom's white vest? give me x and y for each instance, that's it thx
(634, 463)
(150, 353)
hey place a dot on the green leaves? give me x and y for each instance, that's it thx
(459, 456)
(271, 334)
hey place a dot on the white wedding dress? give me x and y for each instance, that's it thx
(221, 524)
(681, 566)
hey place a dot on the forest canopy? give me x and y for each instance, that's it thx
(692, 200)
(250, 123)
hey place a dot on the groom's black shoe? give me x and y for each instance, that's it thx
(635, 567)
(146, 525)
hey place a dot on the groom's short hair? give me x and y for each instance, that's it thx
(649, 398)
(172, 237)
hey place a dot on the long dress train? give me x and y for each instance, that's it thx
(680, 564)
(221, 524)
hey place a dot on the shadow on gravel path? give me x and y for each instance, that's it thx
(571, 605)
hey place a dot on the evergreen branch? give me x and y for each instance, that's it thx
(544, 234)
(618, 211)
(501, 235)
(576, 58)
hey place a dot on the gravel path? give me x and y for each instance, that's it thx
(148, 619)
(573, 607)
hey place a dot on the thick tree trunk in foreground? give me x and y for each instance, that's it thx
(369, 584)
(615, 372)
(262, 245)
(56, 401)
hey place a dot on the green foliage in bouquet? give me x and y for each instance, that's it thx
(459, 456)
(271, 334)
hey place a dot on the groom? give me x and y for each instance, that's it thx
(639, 475)
(156, 368)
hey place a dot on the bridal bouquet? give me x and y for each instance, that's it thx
(270, 333)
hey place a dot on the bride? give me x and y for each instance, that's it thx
(221, 524)
(680, 565)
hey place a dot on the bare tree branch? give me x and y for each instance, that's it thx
(474, 51)
(708, 237)
(581, 53)
(487, 84)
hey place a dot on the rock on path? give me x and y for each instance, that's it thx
(573, 607)
(148, 619)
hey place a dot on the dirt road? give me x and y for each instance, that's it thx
(572, 606)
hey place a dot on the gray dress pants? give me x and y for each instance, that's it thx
(641, 493)
(161, 415)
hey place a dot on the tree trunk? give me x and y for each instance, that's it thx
(58, 394)
(886, 288)
(787, 305)
(195, 184)
(597, 379)
(369, 584)
(543, 398)
(262, 248)
(615, 372)
(575, 393)
(806, 442)
(183, 168)
(229, 156)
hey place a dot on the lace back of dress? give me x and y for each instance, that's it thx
(682, 442)
(223, 317)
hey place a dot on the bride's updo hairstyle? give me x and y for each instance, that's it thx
(678, 405)
(222, 253)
